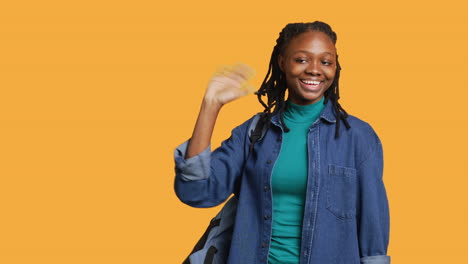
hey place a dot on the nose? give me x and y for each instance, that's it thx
(313, 69)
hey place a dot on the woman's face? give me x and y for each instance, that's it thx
(309, 63)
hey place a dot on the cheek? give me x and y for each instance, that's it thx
(295, 70)
(330, 74)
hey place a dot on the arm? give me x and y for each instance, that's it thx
(201, 136)
(222, 89)
(205, 179)
(373, 212)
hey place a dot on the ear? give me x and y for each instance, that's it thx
(280, 62)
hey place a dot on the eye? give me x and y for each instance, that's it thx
(301, 60)
(326, 63)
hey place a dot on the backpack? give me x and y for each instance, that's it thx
(213, 246)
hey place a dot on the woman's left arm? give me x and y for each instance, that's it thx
(373, 210)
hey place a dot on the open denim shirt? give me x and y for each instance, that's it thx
(346, 214)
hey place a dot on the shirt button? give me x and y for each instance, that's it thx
(266, 217)
(266, 188)
(269, 162)
(263, 245)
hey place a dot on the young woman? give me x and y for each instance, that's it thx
(311, 190)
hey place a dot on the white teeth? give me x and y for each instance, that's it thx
(311, 82)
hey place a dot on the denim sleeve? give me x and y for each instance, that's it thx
(209, 178)
(373, 210)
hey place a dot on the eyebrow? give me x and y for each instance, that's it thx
(305, 51)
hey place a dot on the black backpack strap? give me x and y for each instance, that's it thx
(210, 254)
(257, 129)
(201, 243)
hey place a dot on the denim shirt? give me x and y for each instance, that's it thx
(346, 214)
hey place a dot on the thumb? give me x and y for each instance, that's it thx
(247, 88)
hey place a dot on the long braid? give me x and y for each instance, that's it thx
(274, 85)
(333, 94)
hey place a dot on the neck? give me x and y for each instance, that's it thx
(303, 113)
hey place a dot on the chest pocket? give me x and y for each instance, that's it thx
(341, 191)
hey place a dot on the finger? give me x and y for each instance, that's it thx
(248, 88)
(223, 70)
(228, 81)
(241, 73)
(244, 70)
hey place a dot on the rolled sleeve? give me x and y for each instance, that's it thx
(376, 260)
(373, 209)
(194, 168)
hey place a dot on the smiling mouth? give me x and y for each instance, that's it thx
(311, 85)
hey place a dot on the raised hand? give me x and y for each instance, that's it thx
(230, 83)
(225, 86)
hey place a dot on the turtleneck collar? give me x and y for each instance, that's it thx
(303, 113)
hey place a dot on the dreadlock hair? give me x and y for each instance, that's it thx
(274, 85)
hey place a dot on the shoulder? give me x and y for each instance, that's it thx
(239, 140)
(248, 124)
(242, 131)
(363, 134)
(360, 127)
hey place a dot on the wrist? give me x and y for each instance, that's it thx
(211, 105)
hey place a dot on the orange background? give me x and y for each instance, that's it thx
(95, 96)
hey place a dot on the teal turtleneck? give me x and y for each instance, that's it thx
(289, 182)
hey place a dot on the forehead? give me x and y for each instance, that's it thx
(312, 42)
